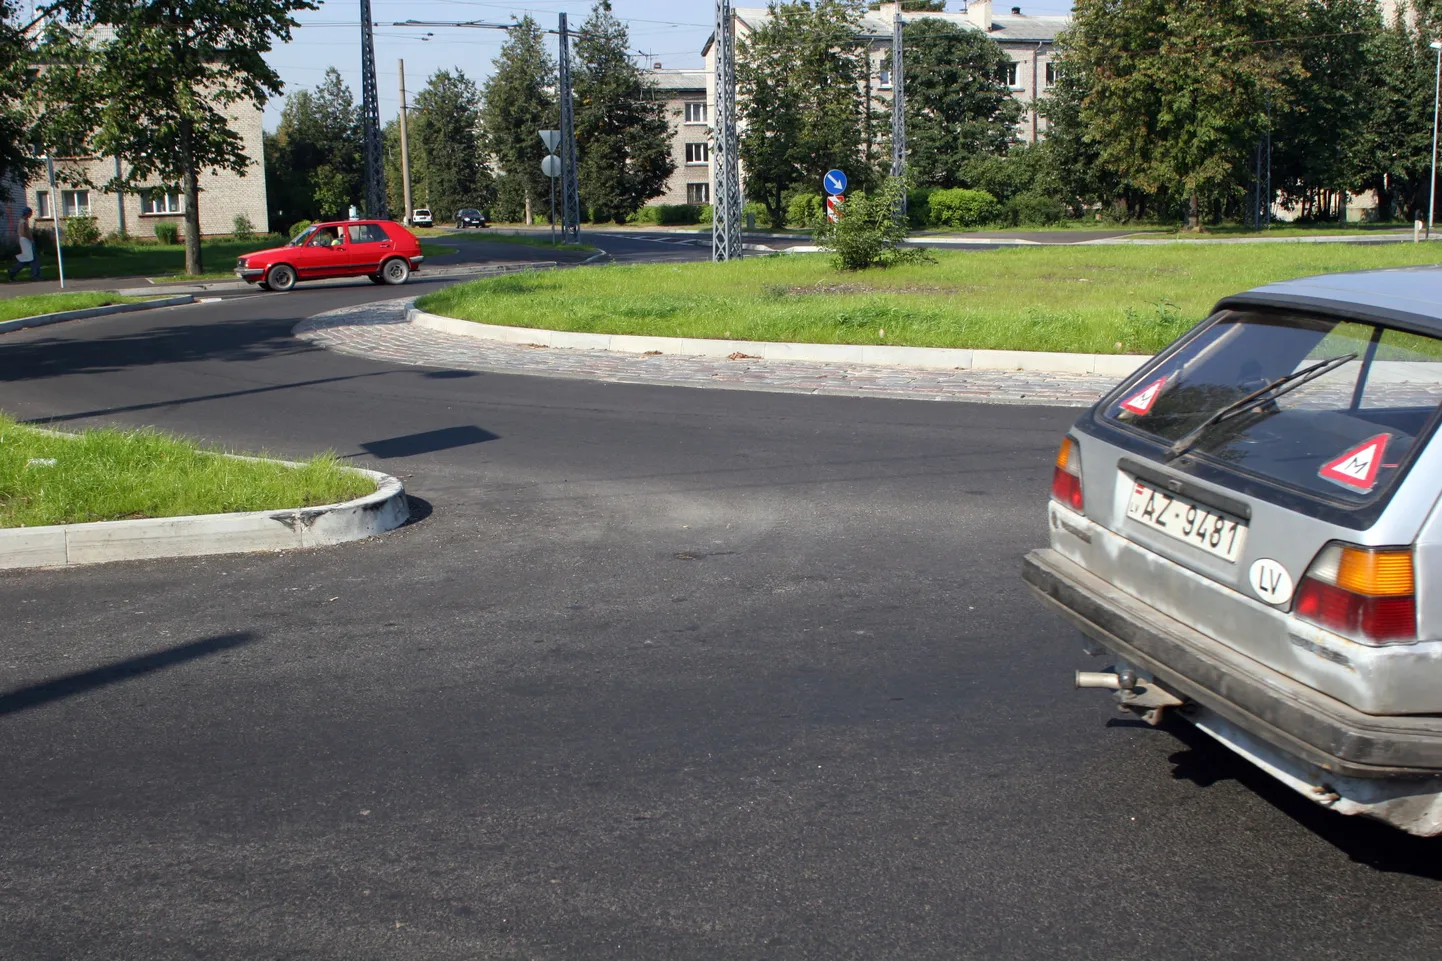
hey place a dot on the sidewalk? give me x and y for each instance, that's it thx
(380, 331)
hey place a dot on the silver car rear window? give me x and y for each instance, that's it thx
(1343, 438)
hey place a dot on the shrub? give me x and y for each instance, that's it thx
(959, 207)
(44, 238)
(242, 228)
(763, 219)
(705, 213)
(1034, 208)
(918, 206)
(868, 234)
(806, 210)
(167, 233)
(81, 231)
(667, 214)
(298, 227)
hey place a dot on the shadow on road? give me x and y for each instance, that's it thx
(1384, 848)
(428, 442)
(59, 688)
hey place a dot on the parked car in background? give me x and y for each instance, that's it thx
(1250, 526)
(470, 217)
(421, 217)
(382, 250)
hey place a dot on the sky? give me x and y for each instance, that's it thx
(670, 32)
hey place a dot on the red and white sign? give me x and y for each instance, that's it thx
(833, 207)
(1142, 401)
(1358, 467)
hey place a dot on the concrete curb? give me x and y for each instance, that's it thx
(69, 545)
(41, 320)
(937, 358)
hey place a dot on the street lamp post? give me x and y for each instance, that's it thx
(1436, 46)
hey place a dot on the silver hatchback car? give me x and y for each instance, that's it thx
(1250, 526)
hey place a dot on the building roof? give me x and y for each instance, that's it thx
(1010, 28)
(1414, 293)
(677, 79)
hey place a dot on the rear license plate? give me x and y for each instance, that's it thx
(1219, 534)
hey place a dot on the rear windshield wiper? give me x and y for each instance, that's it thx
(1263, 395)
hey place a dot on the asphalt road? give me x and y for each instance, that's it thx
(656, 673)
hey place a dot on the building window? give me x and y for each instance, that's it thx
(1006, 73)
(695, 112)
(1050, 73)
(698, 193)
(42, 205)
(75, 203)
(698, 153)
(884, 78)
(160, 202)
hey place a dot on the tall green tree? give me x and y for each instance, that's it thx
(1398, 132)
(799, 82)
(313, 164)
(957, 107)
(1178, 89)
(447, 116)
(155, 81)
(17, 86)
(518, 101)
(622, 136)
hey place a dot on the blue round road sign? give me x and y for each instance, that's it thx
(834, 182)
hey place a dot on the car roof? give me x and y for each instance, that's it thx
(1408, 296)
(342, 223)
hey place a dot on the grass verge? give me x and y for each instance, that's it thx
(532, 240)
(147, 259)
(107, 475)
(1091, 299)
(12, 308)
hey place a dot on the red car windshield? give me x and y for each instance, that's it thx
(300, 239)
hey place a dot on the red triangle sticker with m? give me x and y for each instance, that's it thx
(1358, 467)
(1142, 400)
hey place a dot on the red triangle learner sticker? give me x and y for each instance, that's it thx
(1358, 467)
(1142, 400)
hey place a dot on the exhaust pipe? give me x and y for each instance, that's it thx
(1124, 681)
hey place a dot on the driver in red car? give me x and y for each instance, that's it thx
(326, 237)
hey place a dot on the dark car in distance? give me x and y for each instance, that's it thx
(470, 217)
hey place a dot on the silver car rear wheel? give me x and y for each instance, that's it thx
(395, 271)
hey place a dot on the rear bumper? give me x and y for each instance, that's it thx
(1264, 703)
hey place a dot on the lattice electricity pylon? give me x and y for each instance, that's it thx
(726, 207)
(375, 172)
(898, 112)
(570, 186)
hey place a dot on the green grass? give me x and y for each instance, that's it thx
(1101, 299)
(1281, 229)
(34, 304)
(531, 240)
(107, 475)
(137, 259)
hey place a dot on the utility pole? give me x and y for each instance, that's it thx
(726, 207)
(405, 152)
(898, 111)
(375, 174)
(570, 188)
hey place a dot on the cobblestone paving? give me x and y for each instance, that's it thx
(380, 331)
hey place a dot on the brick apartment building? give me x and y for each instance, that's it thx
(223, 194)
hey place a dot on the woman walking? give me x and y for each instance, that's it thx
(29, 256)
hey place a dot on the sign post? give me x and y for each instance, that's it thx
(551, 167)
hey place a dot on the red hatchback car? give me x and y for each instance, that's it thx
(382, 250)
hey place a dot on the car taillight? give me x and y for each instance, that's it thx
(1066, 486)
(1366, 594)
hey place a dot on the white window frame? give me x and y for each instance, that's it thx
(883, 78)
(705, 190)
(688, 112)
(1049, 73)
(149, 196)
(44, 210)
(70, 205)
(701, 147)
(1013, 74)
